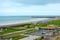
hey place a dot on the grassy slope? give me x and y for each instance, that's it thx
(18, 37)
(55, 22)
(8, 31)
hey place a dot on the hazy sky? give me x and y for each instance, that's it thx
(29, 7)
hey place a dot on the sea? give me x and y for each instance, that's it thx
(13, 18)
(4, 19)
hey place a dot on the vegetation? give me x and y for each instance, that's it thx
(55, 22)
(30, 31)
(9, 30)
(27, 26)
(40, 38)
(58, 38)
(42, 25)
(18, 37)
(18, 28)
(31, 26)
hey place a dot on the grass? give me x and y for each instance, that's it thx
(30, 31)
(27, 26)
(58, 38)
(18, 37)
(15, 30)
(18, 33)
(41, 25)
(40, 38)
(14, 35)
(9, 30)
(55, 22)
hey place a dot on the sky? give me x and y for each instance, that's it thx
(29, 7)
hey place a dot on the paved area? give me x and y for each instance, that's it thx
(42, 33)
(30, 37)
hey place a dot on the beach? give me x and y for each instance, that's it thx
(33, 20)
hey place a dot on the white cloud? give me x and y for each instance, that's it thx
(12, 8)
(34, 8)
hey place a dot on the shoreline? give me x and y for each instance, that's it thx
(25, 21)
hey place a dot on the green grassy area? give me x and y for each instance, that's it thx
(55, 22)
(27, 26)
(18, 37)
(40, 38)
(17, 33)
(30, 31)
(17, 28)
(9, 30)
(42, 25)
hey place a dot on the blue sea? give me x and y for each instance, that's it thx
(13, 18)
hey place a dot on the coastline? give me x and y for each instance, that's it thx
(24, 21)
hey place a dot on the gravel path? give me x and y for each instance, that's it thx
(30, 37)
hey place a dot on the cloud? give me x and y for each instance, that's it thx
(29, 7)
(51, 9)
(37, 2)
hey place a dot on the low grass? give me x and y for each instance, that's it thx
(18, 37)
(40, 38)
(30, 31)
(42, 25)
(55, 22)
(58, 38)
(8, 30)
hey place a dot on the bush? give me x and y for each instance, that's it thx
(40, 38)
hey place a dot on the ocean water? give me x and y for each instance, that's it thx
(13, 18)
